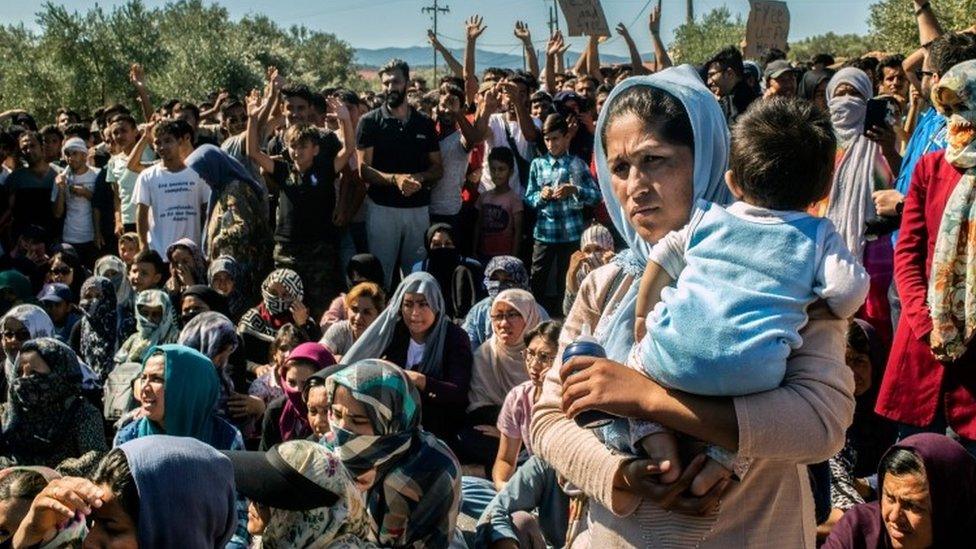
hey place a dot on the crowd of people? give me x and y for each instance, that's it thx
(727, 305)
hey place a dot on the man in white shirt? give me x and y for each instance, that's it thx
(174, 195)
(71, 199)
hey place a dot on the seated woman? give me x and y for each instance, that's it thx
(300, 496)
(222, 276)
(114, 269)
(363, 304)
(66, 267)
(97, 330)
(503, 272)
(187, 266)
(178, 392)
(412, 480)
(133, 500)
(287, 416)
(214, 336)
(155, 325)
(18, 488)
(47, 421)
(21, 323)
(414, 333)
(596, 250)
(515, 417)
(361, 268)
(197, 299)
(281, 303)
(458, 276)
(927, 484)
(499, 366)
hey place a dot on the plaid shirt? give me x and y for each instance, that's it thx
(560, 220)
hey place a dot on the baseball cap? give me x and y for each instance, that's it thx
(55, 292)
(75, 144)
(268, 478)
(777, 68)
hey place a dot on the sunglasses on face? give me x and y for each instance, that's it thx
(61, 270)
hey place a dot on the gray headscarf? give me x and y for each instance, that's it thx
(37, 324)
(373, 342)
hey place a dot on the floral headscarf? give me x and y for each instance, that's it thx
(518, 276)
(35, 321)
(199, 266)
(98, 326)
(952, 287)
(343, 525)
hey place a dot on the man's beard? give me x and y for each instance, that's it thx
(394, 99)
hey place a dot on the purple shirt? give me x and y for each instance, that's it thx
(515, 417)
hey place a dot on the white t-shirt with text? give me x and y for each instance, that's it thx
(176, 201)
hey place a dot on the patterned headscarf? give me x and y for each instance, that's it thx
(343, 525)
(39, 403)
(952, 285)
(273, 312)
(35, 321)
(210, 333)
(375, 340)
(199, 266)
(418, 480)
(148, 333)
(519, 277)
(98, 326)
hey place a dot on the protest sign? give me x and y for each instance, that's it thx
(768, 27)
(585, 17)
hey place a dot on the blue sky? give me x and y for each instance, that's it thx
(388, 23)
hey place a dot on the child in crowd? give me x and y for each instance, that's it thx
(515, 417)
(498, 230)
(286, 417)
(266, 384)
(71, 197)
(734, 284)
(559, 186)
(596, 250)
(148, 271)
(129, 248)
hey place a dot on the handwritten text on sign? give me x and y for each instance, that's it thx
(585, 17)
(768, 27)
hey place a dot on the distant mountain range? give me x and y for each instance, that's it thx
(423, 57)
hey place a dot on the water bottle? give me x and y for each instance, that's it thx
(587, 345)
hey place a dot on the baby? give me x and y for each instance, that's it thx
(731, 288)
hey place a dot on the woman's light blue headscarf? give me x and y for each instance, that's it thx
(711, 159)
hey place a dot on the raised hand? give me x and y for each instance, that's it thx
(338, 108)
(432, 38)
(474, 27)
(137, 75)
(654, 19)
(522, 31)
(253, 103)
(622, 31)
(555, 43)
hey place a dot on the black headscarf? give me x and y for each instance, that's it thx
(811, 79)
(213, 299)
(365, 266)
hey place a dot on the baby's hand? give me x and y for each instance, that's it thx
(662, 447)
(711, 474)
(640, 328)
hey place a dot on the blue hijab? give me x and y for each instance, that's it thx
(711, 136)
(219, 169)
(186, 492)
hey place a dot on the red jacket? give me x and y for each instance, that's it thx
(915, 383)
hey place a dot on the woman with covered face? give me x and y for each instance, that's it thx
(155, 325)
(281, 303)
(503, 272)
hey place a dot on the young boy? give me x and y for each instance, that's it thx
(498, 230)
(306, 240)
(744, 276)
(122, 129)
(559, 186)
(175, 194)
(147, 271)
(129, 248)
(71, 198)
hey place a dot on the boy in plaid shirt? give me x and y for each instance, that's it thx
(559, 186)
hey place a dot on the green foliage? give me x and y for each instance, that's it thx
(838, 45)
(695, 42)
(894, 28)
(188, 49)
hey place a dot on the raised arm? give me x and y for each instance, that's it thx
(138, 78)
(522, 114)
(661, 58)
(473, 28)
(134, 160)
(928, 24)
(212, 111)
(252, 144)
(345, 129)
(635, 59)
(522, 33)
(593, 58)
(449, 58)
(553, 51)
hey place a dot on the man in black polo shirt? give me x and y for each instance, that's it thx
(400, 159)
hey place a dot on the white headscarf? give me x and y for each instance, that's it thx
(499, 367)
(35, 321)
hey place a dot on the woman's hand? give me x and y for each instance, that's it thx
(488, 430)
(639, 477)
(57, 503)
(418, 379)
(245, 405)
(299, 312)
(591, 383)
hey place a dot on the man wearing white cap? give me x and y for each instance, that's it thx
(71, 198)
